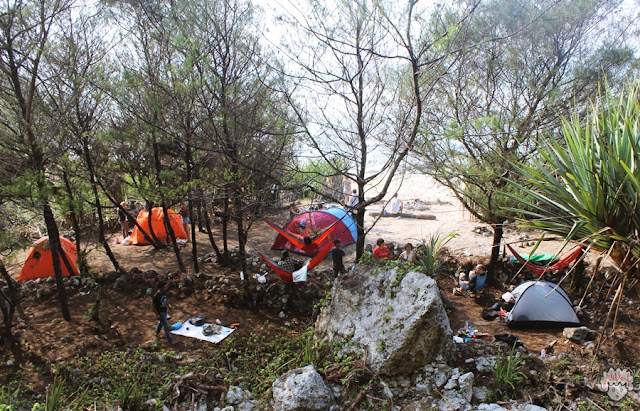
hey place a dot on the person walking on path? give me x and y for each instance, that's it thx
(337, 254)
(122, 219)
(160, 308)
(184, 214)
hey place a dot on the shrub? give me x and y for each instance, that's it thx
(429, 253)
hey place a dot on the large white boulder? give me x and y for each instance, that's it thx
(302, 389)
(395, 322)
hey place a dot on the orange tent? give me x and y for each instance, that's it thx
(157, 222)
(39, 263)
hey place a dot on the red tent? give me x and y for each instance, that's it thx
(39, 262)
(312, 223)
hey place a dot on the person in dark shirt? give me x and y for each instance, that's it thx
(160, 308)
(337, 254)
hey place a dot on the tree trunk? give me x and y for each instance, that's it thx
(498, 230)
(200, 217)
(194, 244)
(219, 256)
(81, 261)
(54, 243)
(95, 310)
(96, 195)
(242, 239)
(172, 236)
(11, 300)
(360, 230)
(156, 241)
(225, 228)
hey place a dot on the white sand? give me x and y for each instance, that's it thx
(423, 195)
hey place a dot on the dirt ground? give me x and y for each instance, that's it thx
(129, 322)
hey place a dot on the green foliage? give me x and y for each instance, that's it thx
(586, 185)
(508, 371)
(317, 176)
(53, 399)
(428, 255)
(128, 395)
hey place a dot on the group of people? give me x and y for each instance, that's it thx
(381, 252)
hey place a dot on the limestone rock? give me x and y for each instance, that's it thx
(399, 326)
(453, 401)
(485, 364)
(465, 382)
(491, 407)
(579, 335)
(480, 394)
(302, 390)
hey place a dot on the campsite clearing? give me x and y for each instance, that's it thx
(129, 324)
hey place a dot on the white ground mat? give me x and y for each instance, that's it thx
(193, 331)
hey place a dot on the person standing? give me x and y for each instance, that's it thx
(293, 210)
(160, 307)
(122, 219)
(381, 252)
(353, 199)
(337, 255)
(346, 189)
(184, 214)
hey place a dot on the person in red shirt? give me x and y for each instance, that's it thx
(381, 251)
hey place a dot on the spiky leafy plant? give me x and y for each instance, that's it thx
(585, 186)
(428, 254)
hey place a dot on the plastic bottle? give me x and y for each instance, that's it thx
(471, 330)
(543, 353)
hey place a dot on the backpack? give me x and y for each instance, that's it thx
(198, 320)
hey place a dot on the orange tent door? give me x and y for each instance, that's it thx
(39, 262)
(157, 222)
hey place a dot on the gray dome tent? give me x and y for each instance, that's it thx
(541, 304)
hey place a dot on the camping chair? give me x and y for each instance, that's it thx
(480, 282)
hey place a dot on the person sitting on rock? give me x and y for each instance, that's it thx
(409, 253)
(381, 252)
(396, 205)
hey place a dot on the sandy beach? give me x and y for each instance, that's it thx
(422, 195)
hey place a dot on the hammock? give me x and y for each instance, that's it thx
(298, 240)
(288, 276)
(541, 269)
